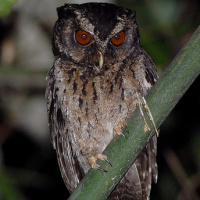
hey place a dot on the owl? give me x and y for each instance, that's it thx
(99, 73)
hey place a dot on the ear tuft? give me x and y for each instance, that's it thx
(65, 11)
(132, 14)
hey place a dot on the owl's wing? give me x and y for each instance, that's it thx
(58, 125)
(151, 72)
(147, 167)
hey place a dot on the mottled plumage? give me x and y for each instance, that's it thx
(92, 87)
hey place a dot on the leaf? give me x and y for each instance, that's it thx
(6, 7)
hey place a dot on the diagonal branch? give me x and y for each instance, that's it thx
(161, 100)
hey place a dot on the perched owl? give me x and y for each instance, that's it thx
(99, 69)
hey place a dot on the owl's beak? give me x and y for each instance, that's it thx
(101, 59)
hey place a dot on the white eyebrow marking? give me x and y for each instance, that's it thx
(84, 23)
(119, 27)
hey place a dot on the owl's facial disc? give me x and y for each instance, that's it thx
(105, 45)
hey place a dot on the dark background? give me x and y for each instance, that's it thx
(28, 164)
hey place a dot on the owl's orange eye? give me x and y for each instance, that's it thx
(83, 37)
(118, 38)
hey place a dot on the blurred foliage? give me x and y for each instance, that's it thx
(162, 23)
(6, 6)
(28, 164)
(8, 187)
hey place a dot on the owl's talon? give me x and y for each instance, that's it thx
(104, 157)
(108, 162)
(92, 161)
(126, 128)
(101, 169)
(121, 133)
(118, 129)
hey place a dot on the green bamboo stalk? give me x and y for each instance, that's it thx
(161, 100)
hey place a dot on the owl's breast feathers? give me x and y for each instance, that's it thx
(84, 106)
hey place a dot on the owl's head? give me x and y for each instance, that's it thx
(95, 33)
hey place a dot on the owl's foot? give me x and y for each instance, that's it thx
(118, 129)
(92, 161)
(142, 102)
